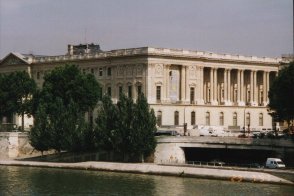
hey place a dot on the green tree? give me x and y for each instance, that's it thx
(16, 90)
(68, 83)
(144, 128)
(281, 94)
(40, 133)
(106, 130)
(68, 95)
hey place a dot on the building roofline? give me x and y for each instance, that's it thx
(153, 51)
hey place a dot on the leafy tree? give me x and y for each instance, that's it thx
(144, 128)
(16, 90)
(106, 130)
(68, 83)
(68, 95)
(40, 133)
(281, 94)
(126, 128)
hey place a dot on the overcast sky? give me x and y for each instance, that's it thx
(248, 27)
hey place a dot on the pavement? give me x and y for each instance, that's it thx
(150, 168)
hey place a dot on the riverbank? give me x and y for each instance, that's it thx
(145, 168)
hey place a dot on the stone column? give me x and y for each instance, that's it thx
(264, 90)
(183, 79)
(229, 88)
(238, 85)
(167, 83)
(211, 86)
(242, 99)
(215, 87)
(255, 88)
(251, 88)
(187, 89)
(225, 86)
(267, 86)
(201, 79)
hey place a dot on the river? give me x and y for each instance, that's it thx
(43, 181)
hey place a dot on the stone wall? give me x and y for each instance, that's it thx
(15, 145)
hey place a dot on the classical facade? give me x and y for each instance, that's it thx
(182, 86)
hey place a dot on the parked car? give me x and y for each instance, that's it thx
(274, 163)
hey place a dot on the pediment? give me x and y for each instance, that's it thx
(14, 59)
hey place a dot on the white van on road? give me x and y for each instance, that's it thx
(274, 163)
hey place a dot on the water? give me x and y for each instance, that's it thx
(47, 181)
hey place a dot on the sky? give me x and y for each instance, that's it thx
(246, 27)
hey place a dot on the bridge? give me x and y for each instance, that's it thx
(172, 149)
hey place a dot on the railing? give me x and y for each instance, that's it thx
(8, 127)
(222, 164)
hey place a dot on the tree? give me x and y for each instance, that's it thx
(126, 128)
(281, 94)
(144, 128)
(66, 96)
(106, 130)
(68, 83)
(16, 90)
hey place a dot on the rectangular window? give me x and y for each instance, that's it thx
(109, 91)
(192, 95)
(100, 71)
(120, 90)
(100, 93)
(139, 89)
(158, 93)
(193, 118)
(38, 75)
(92, 71)
(109, 71)
(130, 91)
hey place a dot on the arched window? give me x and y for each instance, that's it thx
(261, 119)
(193, 118)
(159, 118)
(221, 119)
(176, 118)
(235, 119)
(247, 119)
(207, 118)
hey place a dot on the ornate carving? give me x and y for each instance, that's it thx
(192, 71)
(120, 70)
(159, 69)
(140, 69)
(129, 70)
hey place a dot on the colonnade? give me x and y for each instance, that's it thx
(235, 86)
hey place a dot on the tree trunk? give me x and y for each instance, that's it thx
(22, 122)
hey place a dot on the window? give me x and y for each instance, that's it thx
(109, 91)
(158, 93)
(92, 70)
(235, 119)
(38, 75)
(176, 116)
(130, 91)
(109, 71)
(207, 118)
(120, 90)
(260, 119)
(221, 119)
(192, 95)
(100, 71)
(193, 118)
(159, 118)
(247, 119)
(139, 89)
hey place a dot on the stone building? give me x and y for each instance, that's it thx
(182, 86)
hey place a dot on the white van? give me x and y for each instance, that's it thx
(274, 163)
